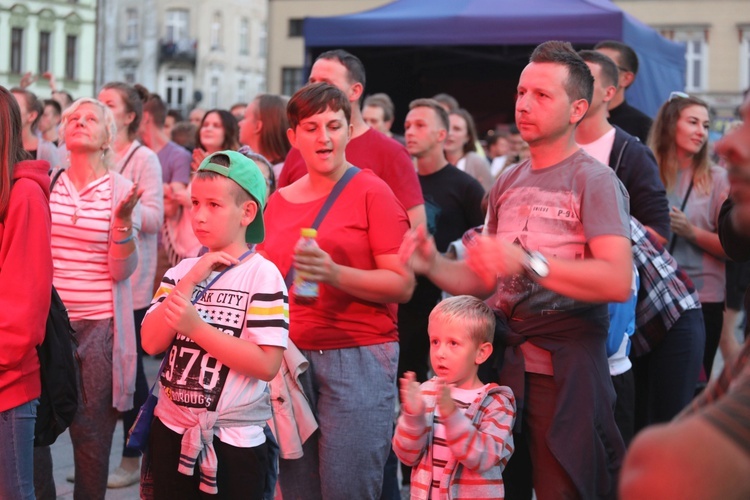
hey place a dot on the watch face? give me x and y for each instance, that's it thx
(538, 265)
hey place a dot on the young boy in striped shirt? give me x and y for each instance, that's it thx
(223, 348)
(455, 431)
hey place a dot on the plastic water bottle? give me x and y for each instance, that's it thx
(305, 292)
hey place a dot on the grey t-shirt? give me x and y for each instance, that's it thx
(556, 211)
(702, 210)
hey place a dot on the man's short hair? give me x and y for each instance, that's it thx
(355, 70)
(156, 108)
(383, 102)
(470, 313)
(176, 114)
(316, 98)
(608, 66)
(580, 84)
(32, 104)
(183, 133)
(63, 93)
(55, 105)
(436, 107)
(447, 100)
(628, 57)
(495, 136)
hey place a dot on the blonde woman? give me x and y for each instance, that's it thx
(695, 189)
(95, 223)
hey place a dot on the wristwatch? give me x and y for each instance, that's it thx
(535, 265)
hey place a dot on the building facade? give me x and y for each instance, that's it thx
(193, 53)
(286, 55)
(56, 37)
(717, 38)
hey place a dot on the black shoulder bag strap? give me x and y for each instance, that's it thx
(682, 209)
(332, 196)
(54, 178)
(127, 160)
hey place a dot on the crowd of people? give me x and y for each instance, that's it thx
(542, 308)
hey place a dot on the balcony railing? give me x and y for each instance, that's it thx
(183, 50)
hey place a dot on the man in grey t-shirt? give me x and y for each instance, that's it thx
(556, 247)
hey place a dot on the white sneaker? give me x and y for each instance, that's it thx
(120, 478)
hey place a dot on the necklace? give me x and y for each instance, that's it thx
(74, 195)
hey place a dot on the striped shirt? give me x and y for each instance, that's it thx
(249, 302)
(80, 244)
(480, 440)
(441, 453)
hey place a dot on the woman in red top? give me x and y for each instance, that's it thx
(25, 291)
(349, 334)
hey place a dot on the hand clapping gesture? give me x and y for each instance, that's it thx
(411, 397)
(418, 251)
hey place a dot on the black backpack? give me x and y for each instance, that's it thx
(59, 374)
(57, 359)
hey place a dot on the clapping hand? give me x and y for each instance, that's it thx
(411, 397)
(198, 156)
(445, 402)
(418, 251)
(489, 257)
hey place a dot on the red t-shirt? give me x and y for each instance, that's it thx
(365, 221)
(372, 150)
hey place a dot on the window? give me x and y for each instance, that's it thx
(176, 25)
(244, 37)
(176, 91)
(696, 58)
(295, 28)
(16, 50)
(241, 90)
(216, 32)
(70, 57)
(291, 80)
(213, 93)
(44, 38)
(262, 41)
(131, 26)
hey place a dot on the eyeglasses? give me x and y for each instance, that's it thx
(677, 95)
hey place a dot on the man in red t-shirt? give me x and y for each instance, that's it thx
(367, 148)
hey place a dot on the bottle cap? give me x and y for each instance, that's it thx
(308, 232)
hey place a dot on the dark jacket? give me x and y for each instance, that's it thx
(583, 435)
(632, 120)
(635, 166)
(735, 243)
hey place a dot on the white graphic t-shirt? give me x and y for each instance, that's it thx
(249, 302)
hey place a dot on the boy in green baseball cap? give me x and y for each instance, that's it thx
(223, 346)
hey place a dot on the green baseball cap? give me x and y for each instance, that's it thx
(246, 173)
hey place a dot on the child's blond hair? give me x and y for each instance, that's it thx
(472, 314)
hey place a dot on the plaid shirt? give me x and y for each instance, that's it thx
(665, 293)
